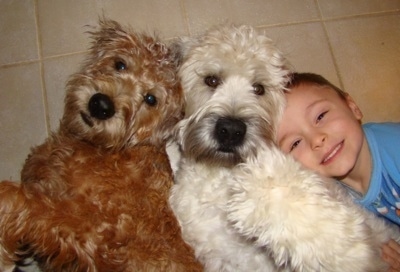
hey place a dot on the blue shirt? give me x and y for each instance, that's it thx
(383, 195)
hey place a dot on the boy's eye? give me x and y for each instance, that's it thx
(321, 116)
(294, 145)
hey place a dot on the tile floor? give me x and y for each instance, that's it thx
(355, 44)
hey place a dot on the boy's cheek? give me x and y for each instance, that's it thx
(300, 156)
(306, 159)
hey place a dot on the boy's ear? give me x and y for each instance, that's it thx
(354, 108)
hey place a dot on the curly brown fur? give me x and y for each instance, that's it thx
(93, 196)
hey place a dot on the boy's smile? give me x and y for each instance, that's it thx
(332, 154)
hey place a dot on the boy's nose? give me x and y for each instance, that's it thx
(318, 140)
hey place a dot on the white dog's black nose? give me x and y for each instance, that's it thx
(101, 106)
(229, 133)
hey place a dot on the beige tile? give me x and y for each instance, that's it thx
(63, 24)
(57, 72)
(163, 17)
(22, 117)
(337, 8)
(368, 57)
(17, 31)
(306, 47)
(203, 14)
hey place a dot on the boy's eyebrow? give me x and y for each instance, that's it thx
(314, 103)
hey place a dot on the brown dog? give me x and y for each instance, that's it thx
(94, 196)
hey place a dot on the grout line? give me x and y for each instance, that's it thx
(41, 59)
(66, 55)
(289, 23)
(331, 19)
(3, 66)
(361, 15)
(335, 64)
(41, 67)
(185, 17)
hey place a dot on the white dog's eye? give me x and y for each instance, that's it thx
(212, 81)
(150, 99)
(258, 89)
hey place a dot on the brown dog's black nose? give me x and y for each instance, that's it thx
(229, 133)
(101, 106)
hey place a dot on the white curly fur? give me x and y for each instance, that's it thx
(307, 222)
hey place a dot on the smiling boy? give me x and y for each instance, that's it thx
(321, 128)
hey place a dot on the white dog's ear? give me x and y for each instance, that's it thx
(180, 48)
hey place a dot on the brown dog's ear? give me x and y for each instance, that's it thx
(107, 31)
(107, 34)
(107, 24)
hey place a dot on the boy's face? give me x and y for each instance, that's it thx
(321, 130)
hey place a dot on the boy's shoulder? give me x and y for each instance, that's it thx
(384, 143)
(388, 130)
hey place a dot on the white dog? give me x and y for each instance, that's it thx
(242, 204)
(233, 79)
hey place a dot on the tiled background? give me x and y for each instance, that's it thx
(354, 43)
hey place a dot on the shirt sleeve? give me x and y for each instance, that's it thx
(383, 195)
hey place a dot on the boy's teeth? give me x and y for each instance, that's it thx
(332, 153)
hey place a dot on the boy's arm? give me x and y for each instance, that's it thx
(391, 255)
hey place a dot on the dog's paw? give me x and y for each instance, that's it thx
(258, 204)
(272, 203)
(259, 193)
(242, 207)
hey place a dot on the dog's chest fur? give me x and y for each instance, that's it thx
(199, 199)
(204, 187)
(80, 168)
(118, 199)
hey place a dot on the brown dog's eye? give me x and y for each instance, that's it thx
(212, 81)
(258, 89)
(150, 99)
(120, 65)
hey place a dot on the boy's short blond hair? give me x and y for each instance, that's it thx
(297, 79)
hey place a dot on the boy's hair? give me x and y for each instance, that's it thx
(296, 79)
